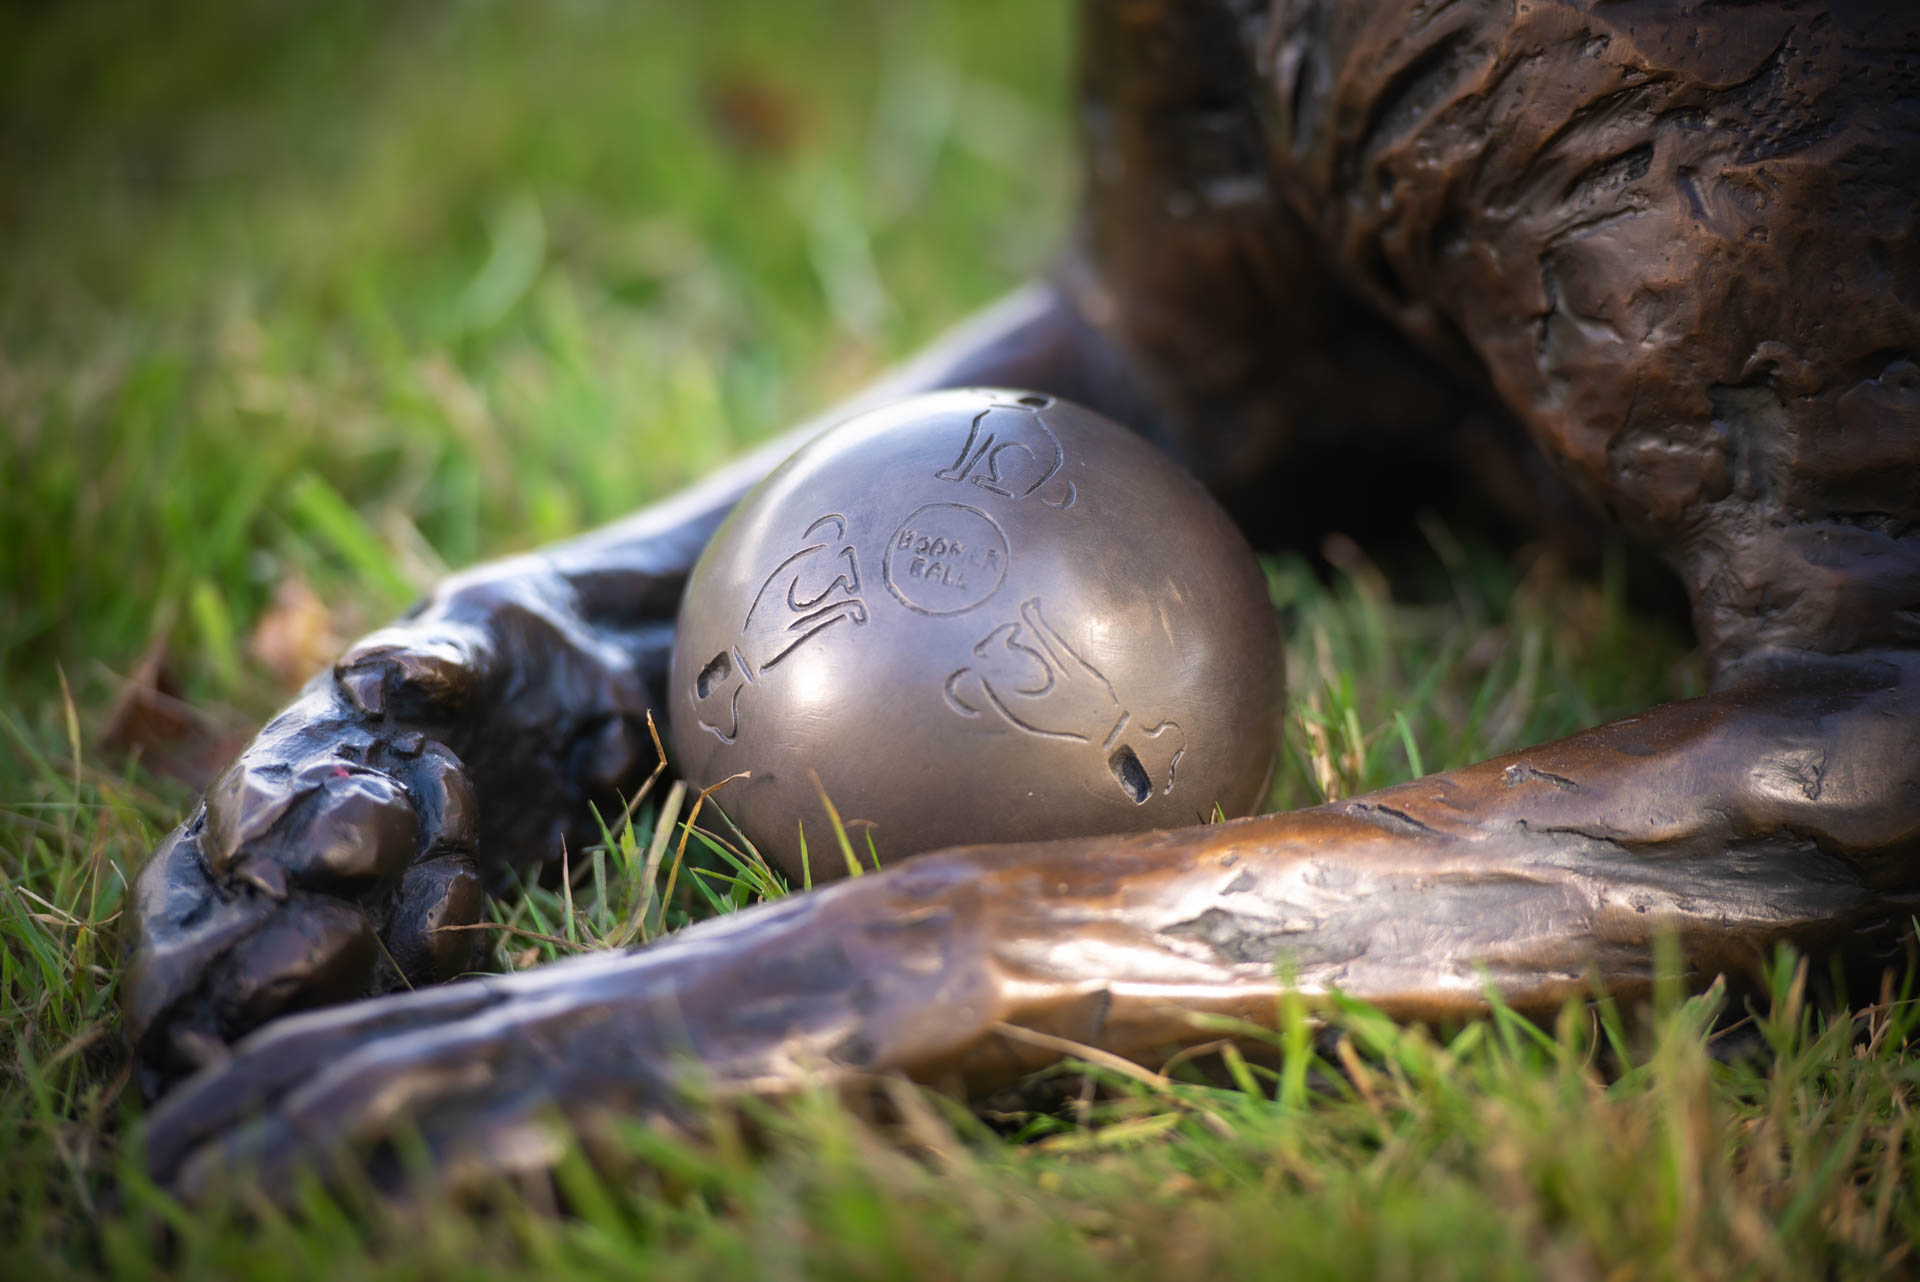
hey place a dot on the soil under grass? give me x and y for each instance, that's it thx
(300, 305)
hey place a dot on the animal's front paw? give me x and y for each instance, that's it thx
(341, 855)
(328, 862)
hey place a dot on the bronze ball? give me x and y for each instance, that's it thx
(973, 616)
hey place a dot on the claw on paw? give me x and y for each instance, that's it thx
(400, 672)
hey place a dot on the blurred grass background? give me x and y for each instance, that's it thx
(358, 291)
(301, 304)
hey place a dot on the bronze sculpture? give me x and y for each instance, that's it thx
(971, 616)
(1675, 244)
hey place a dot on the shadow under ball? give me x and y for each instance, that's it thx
(979, 615)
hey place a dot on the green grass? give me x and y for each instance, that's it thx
(305, 303)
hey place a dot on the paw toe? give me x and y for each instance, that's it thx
(443, 798)
(316, 950)
(361, 828)
(436, 898)
(339, 828)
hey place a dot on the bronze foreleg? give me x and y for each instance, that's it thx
(1779, 811)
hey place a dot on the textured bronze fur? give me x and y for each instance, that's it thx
(1677, 243)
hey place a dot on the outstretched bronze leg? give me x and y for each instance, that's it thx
(1781, 810)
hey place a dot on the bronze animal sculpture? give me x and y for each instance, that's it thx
(972, 616)
(1677, 242)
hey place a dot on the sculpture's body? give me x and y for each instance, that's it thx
(1680, 246)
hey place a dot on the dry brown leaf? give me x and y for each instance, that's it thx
(295, 637)
(173, 738)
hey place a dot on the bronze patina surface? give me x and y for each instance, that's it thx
(971, 616)
(1674, 246)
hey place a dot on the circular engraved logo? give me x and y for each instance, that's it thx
(946, 558)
